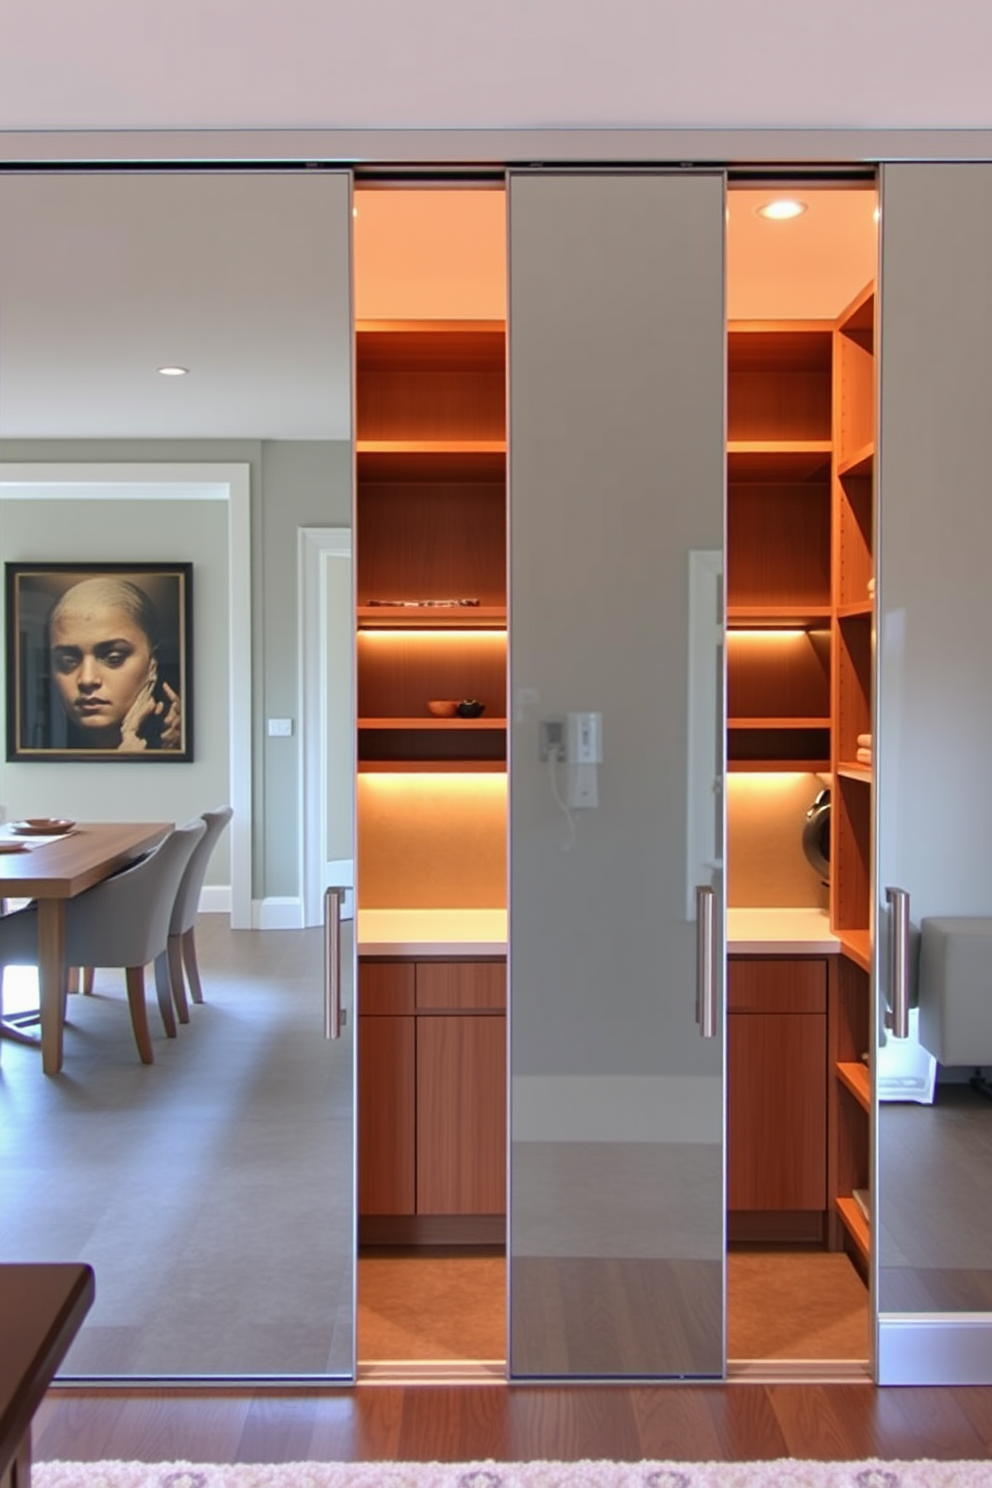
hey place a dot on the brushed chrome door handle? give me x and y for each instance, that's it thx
(898, 901)
(333, 1012)
(705, 962)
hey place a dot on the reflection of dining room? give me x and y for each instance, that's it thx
(174, 1180)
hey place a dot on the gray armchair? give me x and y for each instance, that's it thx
(123, 921)
(181, 950)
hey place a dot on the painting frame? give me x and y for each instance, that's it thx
(104, 672)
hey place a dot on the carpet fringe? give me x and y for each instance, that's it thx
(781, 1473)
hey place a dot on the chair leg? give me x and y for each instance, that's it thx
(135, 978)
(174, 951)
(192, 970)
(163, 990)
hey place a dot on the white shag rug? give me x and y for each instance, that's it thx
(786, 1473)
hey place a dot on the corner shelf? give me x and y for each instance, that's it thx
(855, 1224)
(861, 462)
(856, 945)
(777, 459)
(856, 1079)
(852, 770)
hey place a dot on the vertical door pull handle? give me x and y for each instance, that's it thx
(333, 1015)
(898, 901)
(705, 963)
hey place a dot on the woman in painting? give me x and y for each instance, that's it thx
(103, 637)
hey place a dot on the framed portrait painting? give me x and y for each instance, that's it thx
(99, 661)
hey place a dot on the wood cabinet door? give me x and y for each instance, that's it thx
(777, 1111)
(386, 1115)
(461, 1114)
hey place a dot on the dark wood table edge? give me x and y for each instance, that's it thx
(17, 1411)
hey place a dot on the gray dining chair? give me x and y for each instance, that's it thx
(181, 949)
(123, 921)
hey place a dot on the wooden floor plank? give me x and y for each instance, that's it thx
(679, 1423)
(829, 1422)
(735, 1422)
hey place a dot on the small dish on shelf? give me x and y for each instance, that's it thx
(443, 707)
(42, 826)
(470, 708)
(12, 845)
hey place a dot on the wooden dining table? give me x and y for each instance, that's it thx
(53, 871)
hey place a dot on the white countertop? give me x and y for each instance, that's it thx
(780, 932)
(432, 932)
(482, 932)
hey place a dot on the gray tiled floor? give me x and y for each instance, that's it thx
(210, 1190)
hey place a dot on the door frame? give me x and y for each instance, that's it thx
(319, 554)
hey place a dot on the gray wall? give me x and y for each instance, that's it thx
(292, 485)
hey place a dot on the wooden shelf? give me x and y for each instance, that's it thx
(859, 316)
(432, 724)
(852, 770)
(856, 944)
(856, 1079)
(448, 617)
(778, 723)
(432, 767)
(430, 328)
(861, 462)
(808, 765)
(776, 459)
(778, 616)
(855, 1224)
(856, 610)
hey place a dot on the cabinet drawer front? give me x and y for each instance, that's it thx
(462, 986)
(385, 987)
(777, 984)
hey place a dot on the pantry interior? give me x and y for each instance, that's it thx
(431, 626)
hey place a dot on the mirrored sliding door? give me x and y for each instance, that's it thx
(616, 369)
(166, 338)
(934, 721)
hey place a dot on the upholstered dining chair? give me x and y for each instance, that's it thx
(123, 921)
(181, 951)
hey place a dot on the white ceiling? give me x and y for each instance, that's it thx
(243, 279)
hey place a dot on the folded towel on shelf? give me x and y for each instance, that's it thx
(864, 741)
(871, 586)
(863, 756)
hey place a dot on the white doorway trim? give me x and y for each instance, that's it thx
(325, 586)
(206, 482)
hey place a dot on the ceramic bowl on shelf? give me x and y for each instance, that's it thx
(443, 707)
(470, 708)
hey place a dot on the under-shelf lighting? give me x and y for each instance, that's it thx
(172, 371)
(782, 209)
(769, 633)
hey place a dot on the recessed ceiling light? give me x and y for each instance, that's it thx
(173, 371)
(782, 210)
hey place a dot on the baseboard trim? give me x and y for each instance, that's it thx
(215, 899)
(277, 913)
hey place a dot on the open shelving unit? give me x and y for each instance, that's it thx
(851, 703)
(430, 527)
(779, 429)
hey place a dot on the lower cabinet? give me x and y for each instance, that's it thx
(777, 1095)
(431, 1098)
